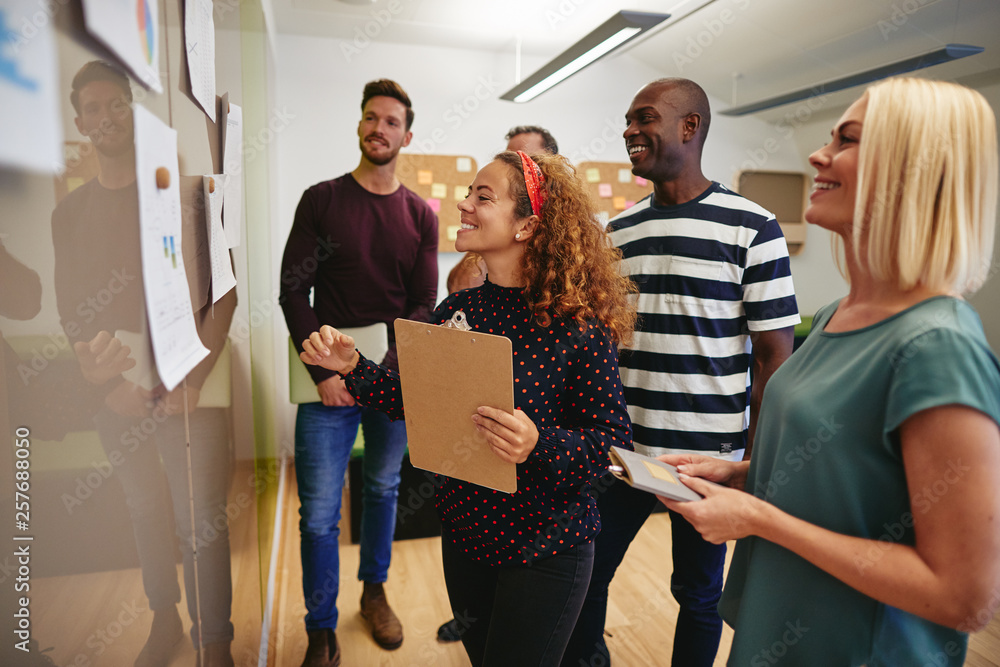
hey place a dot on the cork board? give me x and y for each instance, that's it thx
(783, 193)
(442, 181)
(446, 374)
(613, 186)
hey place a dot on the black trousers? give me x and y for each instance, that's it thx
(521, 615)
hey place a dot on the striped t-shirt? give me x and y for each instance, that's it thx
(709, 272)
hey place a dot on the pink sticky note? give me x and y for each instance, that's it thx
(435, 204)
(640, 181)
(604, 190)
(629, 203)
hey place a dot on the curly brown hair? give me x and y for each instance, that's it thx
(569, 266)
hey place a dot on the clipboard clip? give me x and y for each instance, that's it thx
(458, 321)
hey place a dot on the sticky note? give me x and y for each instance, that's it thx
(640, 181)
(604, 190)
(629, 203)
(73, 182)
(658, 472)
(453, 232)
(624, 175)
(463, 164)
(593, 175)
(435, 204)
(460, 192)
(425, 177)
(439, 190)
(618, 203)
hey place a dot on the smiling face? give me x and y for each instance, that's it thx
(831, 204)
(106, 118)
(382, 130)
(488, 220)
(655, 133)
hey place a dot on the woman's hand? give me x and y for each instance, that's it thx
(728, 473)
(511, 436)
(330, 349)
(723, 514)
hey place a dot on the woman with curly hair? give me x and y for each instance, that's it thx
(517, 566)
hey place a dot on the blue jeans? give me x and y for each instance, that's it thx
(696, 582)
(149, 457)
(519, 615)
(324, 436)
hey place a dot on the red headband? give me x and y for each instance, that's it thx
(534, 180)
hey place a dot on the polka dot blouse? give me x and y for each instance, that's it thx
(566, 380)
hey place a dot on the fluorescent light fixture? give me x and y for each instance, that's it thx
(619, 29)
(945, 54)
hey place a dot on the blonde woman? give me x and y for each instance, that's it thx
(517, 566)
(869, 520)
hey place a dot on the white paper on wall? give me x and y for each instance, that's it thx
(176, 344)
(30, 128)
(199, 38)
(223, 278)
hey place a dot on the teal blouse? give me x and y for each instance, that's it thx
(827, 451)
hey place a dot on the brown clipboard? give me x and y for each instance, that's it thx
(446, 374)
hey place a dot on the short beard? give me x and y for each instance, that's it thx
(377, 161)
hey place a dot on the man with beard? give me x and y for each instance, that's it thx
(366, 247)
(96, 241)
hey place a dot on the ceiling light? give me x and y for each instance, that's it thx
(619, 29)
(944, 54)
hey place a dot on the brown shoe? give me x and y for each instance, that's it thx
(323, 651)
(164, 634)
(386, 628)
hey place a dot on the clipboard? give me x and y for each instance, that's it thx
(649, 474)
(446, 374)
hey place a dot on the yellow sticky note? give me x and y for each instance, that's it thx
(624, 175)
(618, 203)
(593, 175)
(439, 190)
(460, 192)
(463, 164)
(453, 232)
(73, 182)
(425, 177)
(658, 472)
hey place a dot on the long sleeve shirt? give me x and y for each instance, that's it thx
(366, 258)
(566, 381)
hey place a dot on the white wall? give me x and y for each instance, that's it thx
(455, 96)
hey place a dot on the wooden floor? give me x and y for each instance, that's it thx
(641, 611)
(103, 618)
(71, 612)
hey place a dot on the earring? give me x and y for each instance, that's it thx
(517, 236)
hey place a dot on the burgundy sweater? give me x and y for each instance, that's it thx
(566, 380)
(366, 258)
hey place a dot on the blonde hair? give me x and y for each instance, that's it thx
(926, 204)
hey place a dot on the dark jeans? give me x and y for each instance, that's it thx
(696, 582)
(521, 615)
(150, 459)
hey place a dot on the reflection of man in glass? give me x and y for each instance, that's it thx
(95, 232)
